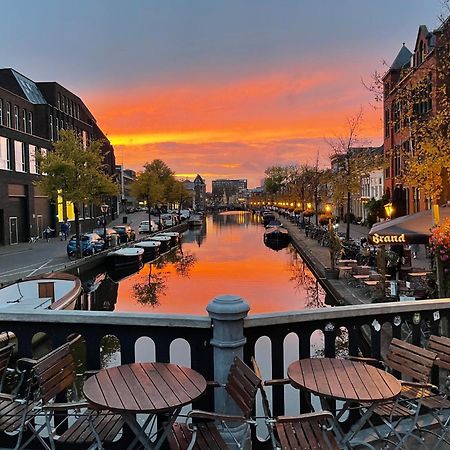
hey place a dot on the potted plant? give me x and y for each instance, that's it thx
(335, 246)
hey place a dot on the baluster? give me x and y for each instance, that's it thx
(277, 343)
(375, 339)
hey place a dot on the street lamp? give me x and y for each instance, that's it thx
(389, 210)
(104, 209)
(328, 209)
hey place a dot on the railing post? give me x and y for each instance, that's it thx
(227, 314)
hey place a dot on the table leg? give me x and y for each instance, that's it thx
(137, 430)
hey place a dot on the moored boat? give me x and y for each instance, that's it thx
(196, 220)
(174, 237)
(47, 291)
(128, 257)
(276, 238)
(164, 242)
(267, 218)
(151, 249)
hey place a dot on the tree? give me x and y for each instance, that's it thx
(349, 163)
(75, 173)
(277, 177)
(154, 184)
(177, 193)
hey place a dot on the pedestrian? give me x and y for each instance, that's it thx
(414, 250)
(47, 233)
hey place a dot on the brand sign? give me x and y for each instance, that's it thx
(388, 239)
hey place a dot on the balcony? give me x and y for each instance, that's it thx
(275, 339)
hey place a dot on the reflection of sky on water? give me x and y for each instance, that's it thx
(229, 258)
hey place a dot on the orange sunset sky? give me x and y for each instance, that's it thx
(219, 88)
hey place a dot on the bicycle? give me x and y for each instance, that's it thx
(33, 239)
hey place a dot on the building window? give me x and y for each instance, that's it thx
(56, 129)
(19, 156)
(59, 100)
(397, 162)
(387, 125)
(416, 199)
(43, 152)
(24, 120)
(50, 126)
(62, 103)
(1, 111)
(30, 122)
(8, 115)
(5, 153)
(32, 160)
(16, 117)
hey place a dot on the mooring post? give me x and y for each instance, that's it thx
(227, 314)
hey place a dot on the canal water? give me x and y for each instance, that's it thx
(225, 256)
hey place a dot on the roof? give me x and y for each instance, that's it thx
(403, 58)
(199, 179)
(29, 88)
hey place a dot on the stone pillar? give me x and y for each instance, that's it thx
(227, 313)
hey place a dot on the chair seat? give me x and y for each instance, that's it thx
(427, 398)
(11, 414)
(305, 435)
(208, 437)
(393, 409)
(106, 425)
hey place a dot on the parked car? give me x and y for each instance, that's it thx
(126, 233)
(109, 233)
(90, 243)
(185, 214)
(168, 220)
(145, 228)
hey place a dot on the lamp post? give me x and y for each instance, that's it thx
(389, 210)
(104, 209)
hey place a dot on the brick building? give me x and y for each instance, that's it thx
(31, 116)
(419, 67)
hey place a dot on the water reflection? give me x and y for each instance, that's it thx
(225, 256)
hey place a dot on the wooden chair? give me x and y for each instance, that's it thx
(313, 431)
(52, 376)
(203, 433)
(414, 365)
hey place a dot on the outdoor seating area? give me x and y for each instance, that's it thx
(389, 391)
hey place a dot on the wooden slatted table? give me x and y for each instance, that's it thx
(144, 388)
(349, 381)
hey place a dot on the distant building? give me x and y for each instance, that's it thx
(197, 188)
(226, 191)
(125, 178)
(409, 68)
(31, 116)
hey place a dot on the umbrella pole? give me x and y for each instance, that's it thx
(439, 268)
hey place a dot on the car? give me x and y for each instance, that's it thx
(109, 232)
(185, 214)
(90, 243)
(144, 227)
(168, 220)
(126, 233)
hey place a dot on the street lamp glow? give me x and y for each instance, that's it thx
(328, 208)
(389, 210)
(308, 205)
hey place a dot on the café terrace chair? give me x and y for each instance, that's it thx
(201, 431)
(52, 376)
(414, 364)
(310, 431)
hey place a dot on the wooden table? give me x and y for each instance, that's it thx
(144, 388)
(345, 380)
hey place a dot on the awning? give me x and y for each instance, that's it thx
(411, 229)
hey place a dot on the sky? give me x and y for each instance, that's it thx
(223, 88)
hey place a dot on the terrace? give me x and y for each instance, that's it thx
(211, 342)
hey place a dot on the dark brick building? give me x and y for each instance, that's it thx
(31, 116)
(408, 70)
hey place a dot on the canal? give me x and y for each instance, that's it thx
(225, 256)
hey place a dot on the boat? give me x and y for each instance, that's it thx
(47, 291)
(267, 217)
(196, 220)
(174, 237)
(151, 249)
(276, 238)
(164, 242)
(274, 223)
(129, 257)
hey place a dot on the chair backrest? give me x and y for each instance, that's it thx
(410, 360)
(54, 372)
(441, 346)
(242, 386)
(5, 355)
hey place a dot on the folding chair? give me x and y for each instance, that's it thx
(312, 431)
(52, 376)
(414, 363)
(242, 386)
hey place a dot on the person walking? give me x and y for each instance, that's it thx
(47, 233)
